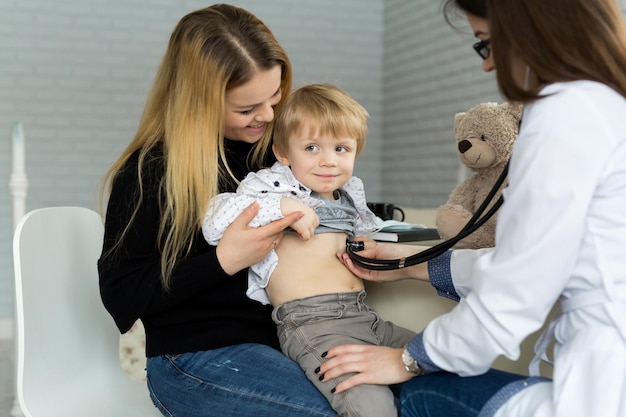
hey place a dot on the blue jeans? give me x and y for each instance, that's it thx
(449, 395)
(235, 381)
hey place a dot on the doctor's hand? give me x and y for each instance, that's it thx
(377, 250)
(369, 364)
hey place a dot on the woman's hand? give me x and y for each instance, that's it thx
(370, 364)
(375, 250)
(242, 246)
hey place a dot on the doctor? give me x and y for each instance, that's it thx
(561, 235)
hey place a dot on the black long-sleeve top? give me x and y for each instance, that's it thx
(204, 308)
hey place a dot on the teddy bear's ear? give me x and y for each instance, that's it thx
(459, 117)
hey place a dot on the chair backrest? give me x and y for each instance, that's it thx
(63, 331)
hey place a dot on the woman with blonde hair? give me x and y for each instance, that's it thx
(210, 350)
(560, 237)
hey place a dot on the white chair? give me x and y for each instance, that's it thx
(67, 344)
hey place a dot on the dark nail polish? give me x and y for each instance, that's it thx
(324, 354)
(321, 378)
(332, 391)
(317, 370)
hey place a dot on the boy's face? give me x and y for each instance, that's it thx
(320, 162)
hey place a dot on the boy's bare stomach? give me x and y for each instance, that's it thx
(307, 268)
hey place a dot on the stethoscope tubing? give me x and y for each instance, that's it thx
(477, 220)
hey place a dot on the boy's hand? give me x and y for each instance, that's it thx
(305, 227)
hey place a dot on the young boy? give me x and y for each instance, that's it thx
(318, 303)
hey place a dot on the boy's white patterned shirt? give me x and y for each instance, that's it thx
(268, 186)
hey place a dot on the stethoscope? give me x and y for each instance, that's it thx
(477, 220)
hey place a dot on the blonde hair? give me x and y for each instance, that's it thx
(326, 107)
(210, 51)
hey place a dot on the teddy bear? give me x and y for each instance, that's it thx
(484, 136)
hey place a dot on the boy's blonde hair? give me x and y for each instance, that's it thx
(328, 109)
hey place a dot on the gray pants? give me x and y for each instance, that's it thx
(311, 326)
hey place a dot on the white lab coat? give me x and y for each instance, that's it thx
(561, 234)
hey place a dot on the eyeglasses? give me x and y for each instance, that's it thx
(482, 48)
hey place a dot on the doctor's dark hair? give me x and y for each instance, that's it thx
(323, 109)
(451, 8)
(559, 40)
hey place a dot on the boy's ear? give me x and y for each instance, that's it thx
(282, 159)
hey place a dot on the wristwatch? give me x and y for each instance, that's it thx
(411, 365)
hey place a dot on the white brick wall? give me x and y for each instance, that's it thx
(76, 73)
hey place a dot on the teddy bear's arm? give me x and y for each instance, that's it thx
(457, 212)
(451, 218)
